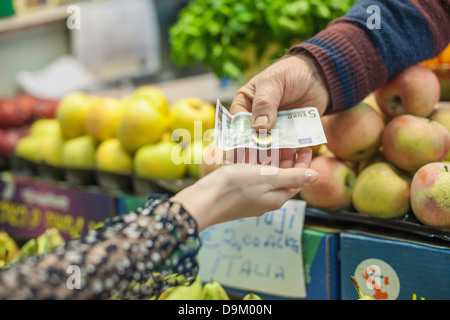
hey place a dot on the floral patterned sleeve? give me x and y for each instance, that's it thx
(130, 256)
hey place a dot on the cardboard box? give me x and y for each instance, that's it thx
(390, 268)
(321, 265)
(28, 206)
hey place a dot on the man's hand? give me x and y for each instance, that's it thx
(291, 82)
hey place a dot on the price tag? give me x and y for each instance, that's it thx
(259, 253)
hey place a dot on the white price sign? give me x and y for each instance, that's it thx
(260, 253)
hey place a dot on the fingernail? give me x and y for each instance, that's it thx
(261, 121)
(311, 176)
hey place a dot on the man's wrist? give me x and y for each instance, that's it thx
(316, 69)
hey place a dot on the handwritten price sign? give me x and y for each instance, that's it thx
(262, 253)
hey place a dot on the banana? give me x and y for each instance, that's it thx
(214, 291)
(184, 292)
(8, 247)
(28, 248)
(251, 296)
(49, 240)
(358, 289)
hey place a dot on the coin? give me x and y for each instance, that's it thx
(263, 140)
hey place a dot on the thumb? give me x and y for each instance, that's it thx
(268, 94)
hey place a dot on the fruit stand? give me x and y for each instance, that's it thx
(377, 217)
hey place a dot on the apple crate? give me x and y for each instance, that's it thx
(24, 167)
(80, 177)
(112, 181)
(49, 173)
(144, 186)
(394, 268)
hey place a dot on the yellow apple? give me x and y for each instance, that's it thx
(28, 148)
(79, 153)
(154, 95)
(163, 160)
(50, 150)
(184, 114)
(42, 127)
(112, 157)
(103, 118)
(72, 113)
(382, 190)
(140, 124)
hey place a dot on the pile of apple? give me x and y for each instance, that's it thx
(134, 135)
(16, 115)
(389, 155)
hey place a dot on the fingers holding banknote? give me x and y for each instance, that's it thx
(244, 190)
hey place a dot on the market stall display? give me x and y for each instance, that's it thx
(375, 225)
(135, 143)
(386, 157)
(16, 116)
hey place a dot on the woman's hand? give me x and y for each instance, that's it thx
(291, 82)
(242, 190)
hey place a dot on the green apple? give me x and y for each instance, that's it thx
(72, 114)
(140, 124)
(110, 156)
(163, 160)
(79, 153)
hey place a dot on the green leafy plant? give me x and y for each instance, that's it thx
(237, 38)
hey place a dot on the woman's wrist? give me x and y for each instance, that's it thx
(199, 202)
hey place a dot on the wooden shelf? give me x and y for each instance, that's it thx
(34, 18)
